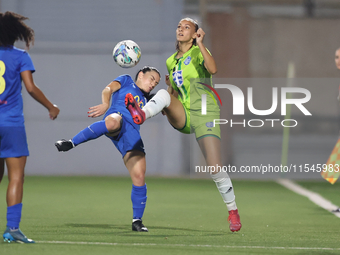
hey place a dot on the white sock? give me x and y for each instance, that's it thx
(225, 187)
(160, 101)
(231, 206)
(147, 113)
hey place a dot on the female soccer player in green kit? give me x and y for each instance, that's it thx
(181, 103)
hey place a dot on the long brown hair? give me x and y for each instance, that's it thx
(13, 28)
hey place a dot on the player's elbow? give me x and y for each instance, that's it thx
(213, 71)
(31, 90)
(107, 90)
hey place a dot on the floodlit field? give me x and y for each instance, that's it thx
(92, 215)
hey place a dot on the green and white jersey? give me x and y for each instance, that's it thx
(185, 73)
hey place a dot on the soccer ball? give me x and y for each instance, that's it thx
(126, 53)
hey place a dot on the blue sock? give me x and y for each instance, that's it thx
(14, 216)
(91, 132)
(138, 198)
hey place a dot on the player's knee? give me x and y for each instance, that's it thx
(18, 179)
(163, 92)
(112, 124)
(138, 178)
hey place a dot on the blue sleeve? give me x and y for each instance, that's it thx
(123, 79)
(26, 63)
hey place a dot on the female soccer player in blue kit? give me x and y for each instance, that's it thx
(16, 66)
(118, 126)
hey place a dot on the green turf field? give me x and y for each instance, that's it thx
(92, 215)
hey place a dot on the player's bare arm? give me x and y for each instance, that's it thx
(38, 95)
(209, 61)
(98, 110)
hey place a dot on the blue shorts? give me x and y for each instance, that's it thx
(128, 139)
(13, 142)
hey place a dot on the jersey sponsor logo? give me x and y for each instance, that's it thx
(209, 124)
(3, 101)
(187, 61)
(178, 78)
(139, 101)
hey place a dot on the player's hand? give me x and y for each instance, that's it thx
(167, 80)
(53, 112)
(98, 110)
(199, 36)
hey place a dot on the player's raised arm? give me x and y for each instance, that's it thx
(209, 61)
(98, 110)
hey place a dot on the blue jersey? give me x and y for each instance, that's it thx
(13, 61)
(118, 98)
(129, 137)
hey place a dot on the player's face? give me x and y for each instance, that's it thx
(185, 31)
(337, 58)
(148, 80)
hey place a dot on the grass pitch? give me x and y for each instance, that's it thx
(92, 215)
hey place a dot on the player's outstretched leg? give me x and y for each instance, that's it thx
(136, 112)
(93, 131)
(157, 103)
(64, 145)
(15, 235)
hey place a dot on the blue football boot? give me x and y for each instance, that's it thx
(15, 235)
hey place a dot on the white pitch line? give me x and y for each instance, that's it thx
(314, 197)
(190, 245)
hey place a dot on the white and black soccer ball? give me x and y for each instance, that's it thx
(126, 53)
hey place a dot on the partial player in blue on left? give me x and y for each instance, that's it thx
(16, 66)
